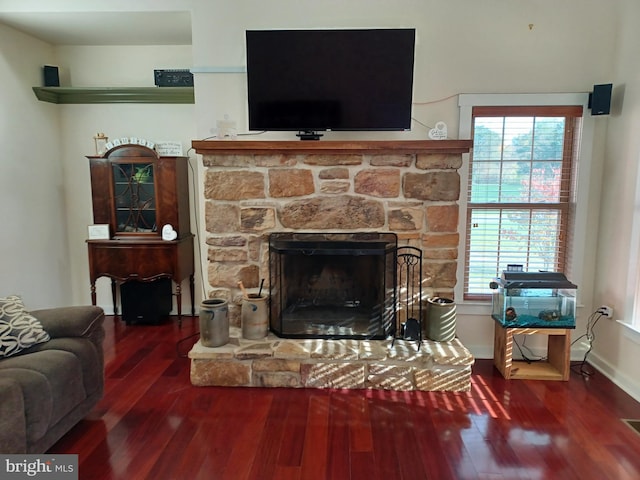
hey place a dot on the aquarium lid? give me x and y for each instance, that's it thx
(534, 280)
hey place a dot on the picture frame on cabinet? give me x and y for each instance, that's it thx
(169, 148)
(99, 232)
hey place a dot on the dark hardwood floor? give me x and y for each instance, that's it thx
(153, 424)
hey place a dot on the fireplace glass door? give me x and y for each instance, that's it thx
(332, 285)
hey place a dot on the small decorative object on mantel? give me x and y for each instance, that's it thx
(439, 132)
(128, 141)
(100, 140)
(226, 129)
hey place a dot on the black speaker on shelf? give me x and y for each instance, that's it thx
(146, 302)
(600, 99)
(51, 76)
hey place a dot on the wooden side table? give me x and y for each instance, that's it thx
(557, 365)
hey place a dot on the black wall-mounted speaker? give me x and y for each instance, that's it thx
(600, 99)
(51, 76)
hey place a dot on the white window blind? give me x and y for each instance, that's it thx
(519, 192)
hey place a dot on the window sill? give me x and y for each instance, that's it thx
(632, 332)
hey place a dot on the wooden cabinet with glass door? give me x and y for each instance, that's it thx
(138, 193)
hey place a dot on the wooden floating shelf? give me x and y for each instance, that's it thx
(78, 95)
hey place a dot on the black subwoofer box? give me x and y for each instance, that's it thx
(146, 302)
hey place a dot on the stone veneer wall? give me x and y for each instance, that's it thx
(248, 195)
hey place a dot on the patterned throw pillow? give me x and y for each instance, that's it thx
(18, 329)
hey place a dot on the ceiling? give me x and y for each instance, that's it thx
(103, 28)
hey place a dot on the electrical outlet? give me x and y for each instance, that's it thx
(606, 311)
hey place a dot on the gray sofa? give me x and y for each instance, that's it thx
(46, 389)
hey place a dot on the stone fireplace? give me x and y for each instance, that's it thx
(258, 191)
(255, 188)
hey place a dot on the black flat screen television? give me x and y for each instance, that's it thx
(315, 80)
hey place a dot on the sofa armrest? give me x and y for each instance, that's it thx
(13, 428)
(76, 321)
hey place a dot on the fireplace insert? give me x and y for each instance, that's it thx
(333, 285)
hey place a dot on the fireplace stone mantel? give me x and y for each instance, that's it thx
(398, 147)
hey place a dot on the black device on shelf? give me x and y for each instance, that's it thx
(315, 80)
(173, 78)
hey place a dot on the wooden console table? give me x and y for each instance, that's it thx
(143, 260)
(557, 365)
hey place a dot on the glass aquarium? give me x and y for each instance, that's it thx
(534, 299)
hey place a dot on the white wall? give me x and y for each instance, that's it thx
(44, 181)
(114, 66)
(614, 351)
(35, 261)
(465, 46)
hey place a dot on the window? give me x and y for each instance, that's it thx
(631, 317)
(520, 187)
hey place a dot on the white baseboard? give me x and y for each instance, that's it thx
(621, 380)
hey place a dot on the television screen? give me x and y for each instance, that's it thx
(314, 80)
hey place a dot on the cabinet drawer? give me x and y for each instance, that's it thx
(132, 261)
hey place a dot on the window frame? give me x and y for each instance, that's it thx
(631, 319)
(562, 206)
(578, 263)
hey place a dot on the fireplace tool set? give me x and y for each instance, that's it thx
(409, 294)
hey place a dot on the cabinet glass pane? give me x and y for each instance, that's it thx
(135, 198)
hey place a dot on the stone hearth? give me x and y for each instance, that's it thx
(372, 364)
